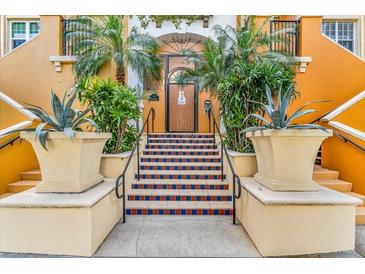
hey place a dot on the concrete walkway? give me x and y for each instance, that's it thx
(177, 236)
(190, 236)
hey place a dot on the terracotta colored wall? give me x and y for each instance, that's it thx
(344, 157)
(27, 75)
(354, 116)
(334, 73)
(9, 116)
(350, 161)
(13, 160)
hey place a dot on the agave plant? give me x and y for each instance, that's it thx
(65, 118)
(278, 114)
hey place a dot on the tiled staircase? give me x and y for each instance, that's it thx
(180, 175)
(330, 178)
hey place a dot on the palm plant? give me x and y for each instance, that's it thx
(249, 44)
(65, 119)
(278, 114)
(236, 67)
(102, 39)
(112, 106)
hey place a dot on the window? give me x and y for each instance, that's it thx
(21, 31)
(342, 32)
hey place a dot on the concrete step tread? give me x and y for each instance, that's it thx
(35, 171)
(335, 184)
(324, 173)
(360, 215)
(332, 181)
(177, 204)
(21, 185)
(24, 183)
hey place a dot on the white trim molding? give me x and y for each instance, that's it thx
(58, 60)
(344, 106)
(6, 99)
(349, 130)
(302, 62)
(17, 126)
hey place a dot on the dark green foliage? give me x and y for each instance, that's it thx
(102, 39)
(112, 106)
(236, 67)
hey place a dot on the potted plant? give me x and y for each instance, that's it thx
(112, 107)
(286, 151)
(236, 67)
(69, 158)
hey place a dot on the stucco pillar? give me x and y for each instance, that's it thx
(310, 28)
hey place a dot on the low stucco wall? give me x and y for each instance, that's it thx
(71, 224)
(293, 223)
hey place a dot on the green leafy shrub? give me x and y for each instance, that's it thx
(236, 67)
(112, 106)
(239, 89)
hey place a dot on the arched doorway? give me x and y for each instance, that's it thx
(181, 101)
(181, 104)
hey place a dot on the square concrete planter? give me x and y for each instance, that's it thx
(68, 165)
(112, 165)
(245, 164)
(285, 158)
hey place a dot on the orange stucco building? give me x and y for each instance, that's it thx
(330, 66)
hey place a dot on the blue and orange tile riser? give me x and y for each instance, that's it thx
(181, 186)
(180, 176)
(181, 153)
(177, 135)
(143, 167)
(209, 198)
(181, 146)
(182, 141)
(181, 160)
(179, 211)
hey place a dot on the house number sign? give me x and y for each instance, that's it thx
(181, 100)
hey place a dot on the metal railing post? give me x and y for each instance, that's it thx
(138, 150)
(214, 130)
(222, 159)
(234, 199)
(148, 132)
(153, 120)
(123, 198)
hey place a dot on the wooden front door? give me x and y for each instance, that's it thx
(181, 114)
(181, 110)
